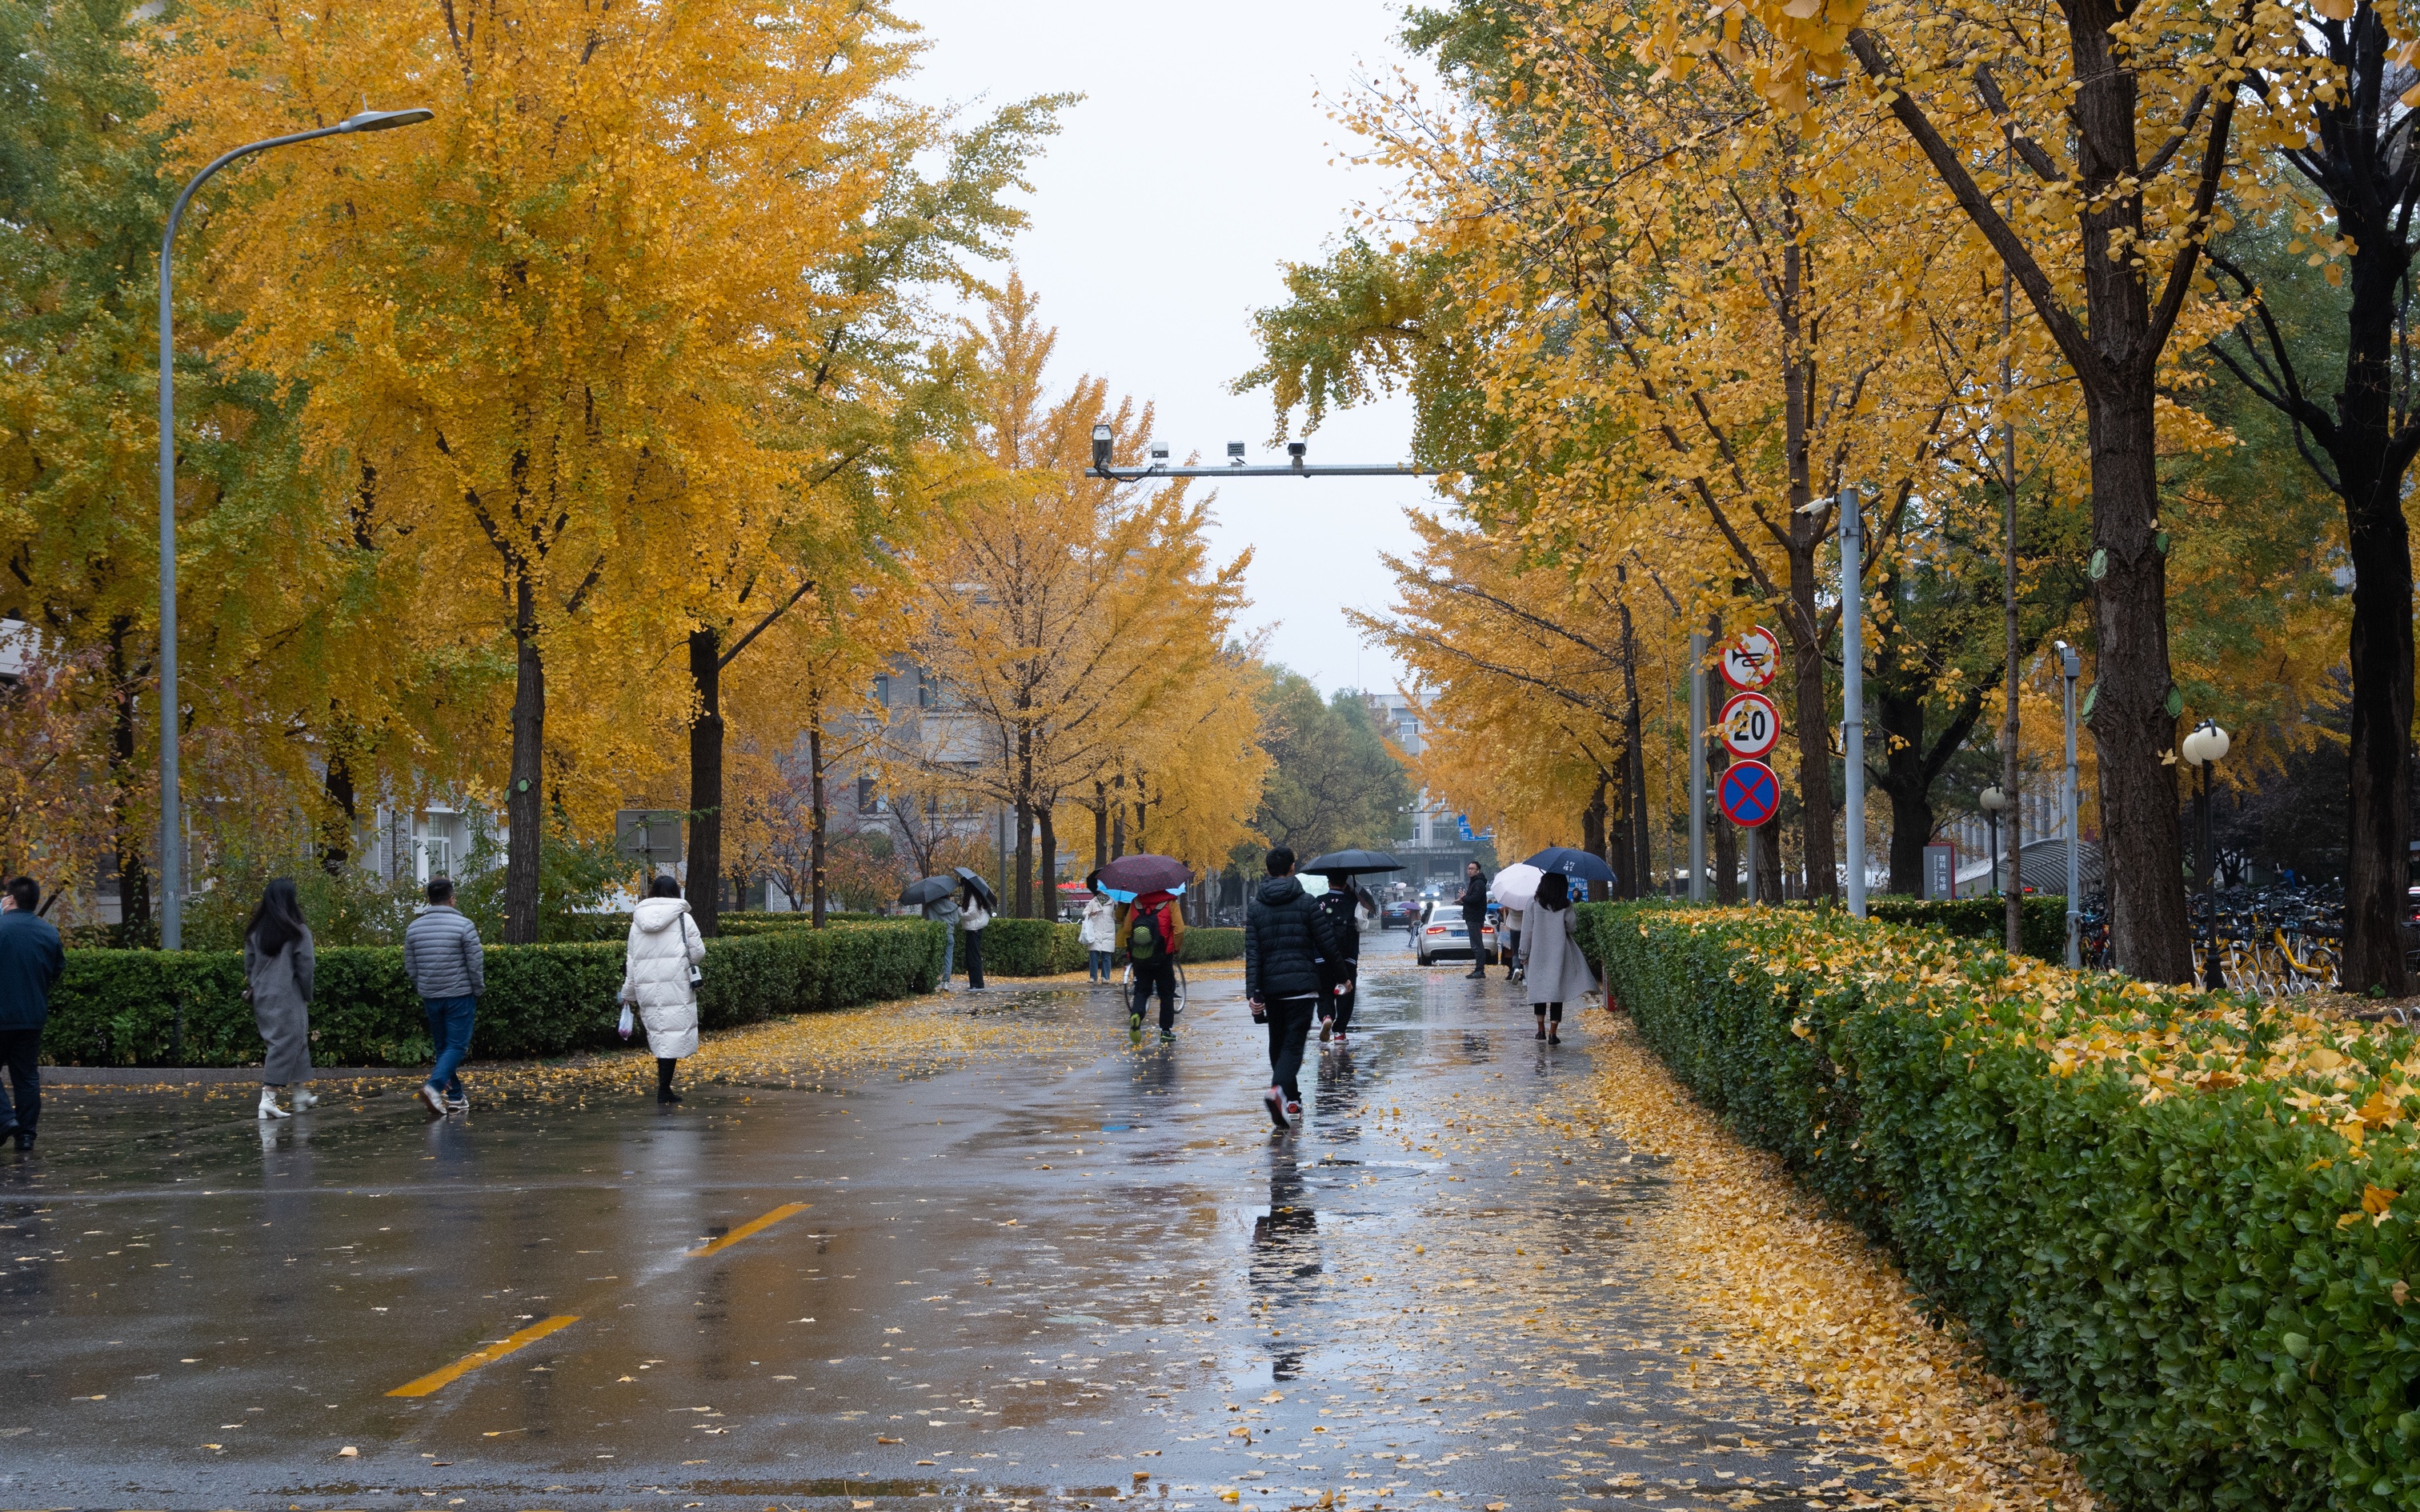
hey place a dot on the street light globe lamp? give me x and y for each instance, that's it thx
(172, 902)
(2204, 748)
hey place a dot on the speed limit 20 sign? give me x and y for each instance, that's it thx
(1750, 658)
(1750, 725)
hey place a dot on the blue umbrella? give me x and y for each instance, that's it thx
(1578, 865)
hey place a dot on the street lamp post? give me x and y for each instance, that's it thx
(2070, 667)
(2205, 748)
(172, 903)
(1992, 800)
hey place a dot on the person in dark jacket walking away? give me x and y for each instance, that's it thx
(441, 956)
(1340, 904)
(1474, 915)
(278, 959)
(1287, 943)
(30, 962)
(1151, 930)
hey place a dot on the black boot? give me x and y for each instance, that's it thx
(664, 1093)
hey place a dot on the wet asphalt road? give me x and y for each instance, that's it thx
(1065, 1279)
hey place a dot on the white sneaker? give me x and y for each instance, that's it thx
(269, 1108)
(304, 1098)
(1274, 1099)
(431, 1099)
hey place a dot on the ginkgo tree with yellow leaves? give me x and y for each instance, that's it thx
(1075, 623)
(536, 336)
(2097, 148)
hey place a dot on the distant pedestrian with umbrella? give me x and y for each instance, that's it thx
(1474, 915)
(1151, 931)
(1515, 892)
(1552, 963)
(1343, 904)
(974, 916)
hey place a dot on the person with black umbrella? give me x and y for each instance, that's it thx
(1474, 915)
(1287, 940)
(974, 913)
(1340, 904)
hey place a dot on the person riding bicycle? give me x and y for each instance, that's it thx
(1151, 931)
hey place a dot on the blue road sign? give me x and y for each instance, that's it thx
(1749, 792)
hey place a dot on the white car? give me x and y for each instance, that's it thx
(1440, 932)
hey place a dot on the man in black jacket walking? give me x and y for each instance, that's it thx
(1288, 947)
(1474, 915)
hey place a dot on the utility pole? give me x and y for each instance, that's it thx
(1853, 692)
(1697, 878)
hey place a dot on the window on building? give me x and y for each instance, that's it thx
(928, 690)
(867, 802)
(882, 689)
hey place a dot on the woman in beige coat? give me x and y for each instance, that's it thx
(660, 976)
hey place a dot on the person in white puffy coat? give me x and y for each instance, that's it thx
(658, 978)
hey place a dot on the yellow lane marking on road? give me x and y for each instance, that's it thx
(436, 1379)
(753, 1225)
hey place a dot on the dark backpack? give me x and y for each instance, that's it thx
(1147, 936)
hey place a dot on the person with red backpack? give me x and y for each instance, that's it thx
(1151, 931)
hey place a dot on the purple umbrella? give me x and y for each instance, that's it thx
(1145, 873)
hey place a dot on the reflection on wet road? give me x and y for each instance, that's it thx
(1049, 1279)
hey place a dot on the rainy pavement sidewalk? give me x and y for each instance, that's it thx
(1051, 1278)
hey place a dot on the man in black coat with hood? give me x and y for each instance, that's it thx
(1289, 945)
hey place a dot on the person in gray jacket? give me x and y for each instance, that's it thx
(278, 959)
(441, 956)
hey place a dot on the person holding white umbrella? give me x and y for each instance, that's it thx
(1515, 889)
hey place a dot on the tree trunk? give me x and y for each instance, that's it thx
(1022, 906)
(524, 791)
(1592, 820)
(1641, 867)
(2132, 722)
(336, 834)
(1805, 535)
(2370, 464)
(1048, 855)
(1768, 864)
(818, 816)
(706, 780)
(1100, 824)
(126, 827)
(1901, 717)
(2114, 353)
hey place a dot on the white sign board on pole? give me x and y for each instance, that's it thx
(1750, 658)
(1750, 725)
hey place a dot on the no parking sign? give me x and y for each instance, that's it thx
(1750, 793)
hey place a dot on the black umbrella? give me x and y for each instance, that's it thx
(1578, 865)
(1351, 863)
(982, 889)
(1145, 873)
(930, 891)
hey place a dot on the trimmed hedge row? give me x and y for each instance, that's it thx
(2177, 1220)
(151, 1008)
(2041, 923)
(1043, 948)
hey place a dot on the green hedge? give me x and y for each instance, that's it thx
(1043, 948)
(2148, 1205)
(150, 1007)
(2041, 924)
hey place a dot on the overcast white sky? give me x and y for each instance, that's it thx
(1202, 158)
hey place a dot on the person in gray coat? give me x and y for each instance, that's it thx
(1552, 964)
(277, 963)
(441, 956)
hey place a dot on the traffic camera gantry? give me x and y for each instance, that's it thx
(1236, 466)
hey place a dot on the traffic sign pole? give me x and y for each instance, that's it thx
(1853, 691)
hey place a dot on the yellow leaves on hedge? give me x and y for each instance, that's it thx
(2165, 1041)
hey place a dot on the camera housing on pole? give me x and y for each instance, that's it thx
(1297, 465)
